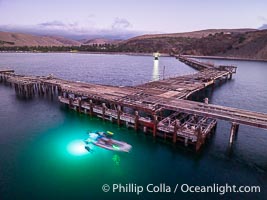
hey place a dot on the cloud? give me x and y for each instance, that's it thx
(262, 18)
(119, 29)
(121, 23)
(91, 16)
(52, 24)
(58, 25)
(264, 26)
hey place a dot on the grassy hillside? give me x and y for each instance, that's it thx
(234, 43)
(193, 34)
(21, 39)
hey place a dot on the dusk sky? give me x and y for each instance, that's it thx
(129, 17)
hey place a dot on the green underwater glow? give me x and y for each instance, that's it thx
(77, 148)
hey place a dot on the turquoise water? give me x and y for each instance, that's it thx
(41, 148)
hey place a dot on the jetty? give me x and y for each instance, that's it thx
(7, 71)
(158, 108)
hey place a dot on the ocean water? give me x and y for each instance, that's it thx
(41, 141)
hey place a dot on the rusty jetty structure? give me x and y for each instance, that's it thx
(159, 108)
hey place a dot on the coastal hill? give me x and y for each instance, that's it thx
(193, 34)
(22, 39)
(241, 43)
(250, 45)
(100, 41)
(238, 43)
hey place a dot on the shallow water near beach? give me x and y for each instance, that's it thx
(41, 141)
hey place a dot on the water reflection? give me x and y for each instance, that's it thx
(155, 75)
(116, 158)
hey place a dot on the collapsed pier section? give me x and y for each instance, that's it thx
(177, 127)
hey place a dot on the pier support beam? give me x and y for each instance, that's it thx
(91, 107)
(233, 132)
(136, 121)
(174, 136)
(70, 102)
(80, 104)
(186, 141)
(199, 139)
(155, 125)
(236, 131)
(59, 91)
(119, 115)
(103, 110)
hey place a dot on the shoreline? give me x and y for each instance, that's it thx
(81, 52)
(227, 58)
(145, 54)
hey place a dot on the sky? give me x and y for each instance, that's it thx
(125, 18)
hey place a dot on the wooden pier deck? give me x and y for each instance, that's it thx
(158, 107)
(204, 66)
(7, 71)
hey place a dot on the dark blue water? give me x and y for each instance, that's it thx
(40, 154)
